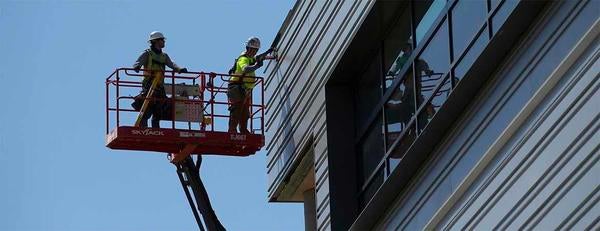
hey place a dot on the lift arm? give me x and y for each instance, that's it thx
(189, 176)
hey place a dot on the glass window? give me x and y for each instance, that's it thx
(397, 47)
(371, 149)
(371, 188)
(369, 92)
(426, 12)
(502, 14)
(494, 4)
(467, 18)
(433, 63)
(436, 102)
(399, 109)
(399, 148)
(399, 63)
(465, 63)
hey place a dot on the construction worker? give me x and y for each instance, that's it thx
(154, 61)
(401, 106)
(240, 86)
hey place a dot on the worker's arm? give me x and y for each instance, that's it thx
(174, 66)
(244, 63)
(262, 56)
(142, 60)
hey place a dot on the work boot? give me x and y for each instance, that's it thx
(144, 124)
(232, 125)
(244, 127)
(155, 124)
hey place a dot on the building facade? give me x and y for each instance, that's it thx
(459, 114)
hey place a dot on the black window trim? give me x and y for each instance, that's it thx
(443, 17)
(500, 44)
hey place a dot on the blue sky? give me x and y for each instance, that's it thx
(56, 173)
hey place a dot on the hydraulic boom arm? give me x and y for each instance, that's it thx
(189, 175)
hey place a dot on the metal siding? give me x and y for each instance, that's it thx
(513, 86)
(280, 146)
(311, 46)
(548, 174)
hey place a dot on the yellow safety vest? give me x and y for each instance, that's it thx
(241, 62)
(156, 63)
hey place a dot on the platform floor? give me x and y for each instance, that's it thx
(173, 140)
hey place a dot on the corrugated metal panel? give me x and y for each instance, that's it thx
(547, 176)
(515, 83)
(302, 74)
(312, 44)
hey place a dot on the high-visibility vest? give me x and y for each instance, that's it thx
(241, 62)
(156, 63)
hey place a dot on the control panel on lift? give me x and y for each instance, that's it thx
(195, 111)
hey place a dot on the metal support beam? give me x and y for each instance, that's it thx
(189, 176)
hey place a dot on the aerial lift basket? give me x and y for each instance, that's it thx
(197, 115)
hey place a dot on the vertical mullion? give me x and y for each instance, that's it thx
(451, 43)
(382, 86)
(488, 19)
(381, 74)
(413, 28)
(450, 40)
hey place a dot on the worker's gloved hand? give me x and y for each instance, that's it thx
(269, 50)
(183, 70)
(137, 70)
(260, 58)
(429, 72)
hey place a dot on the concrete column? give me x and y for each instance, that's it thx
(310, 210)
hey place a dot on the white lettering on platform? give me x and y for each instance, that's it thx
(237, 137)
(192, 134)
(147, 132)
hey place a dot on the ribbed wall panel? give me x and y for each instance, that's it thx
(313, 42)
(512, 200)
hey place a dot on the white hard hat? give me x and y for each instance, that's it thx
(253, 42)
(156, 35)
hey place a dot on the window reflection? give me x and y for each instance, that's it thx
(426, 12)
(436, 102)
(494, 3)
(432, 63)
(398, 64)
(369, 92)
(397, 47)
(399, 109)
(372, 187)
(502, 14)
(400, 147)
(465, 63)
(371, 149)
(467, 18)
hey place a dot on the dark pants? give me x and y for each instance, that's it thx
(239, 109)
(155, 107)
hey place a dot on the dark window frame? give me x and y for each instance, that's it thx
(443, 17)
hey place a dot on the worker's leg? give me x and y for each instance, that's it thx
(235, 95)
(158, 105)
(245, 112)
(233, 122)
(146, 85)
(148, 112)
(244, 121)
(146, 116)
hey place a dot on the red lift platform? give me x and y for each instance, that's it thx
(198, 120)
